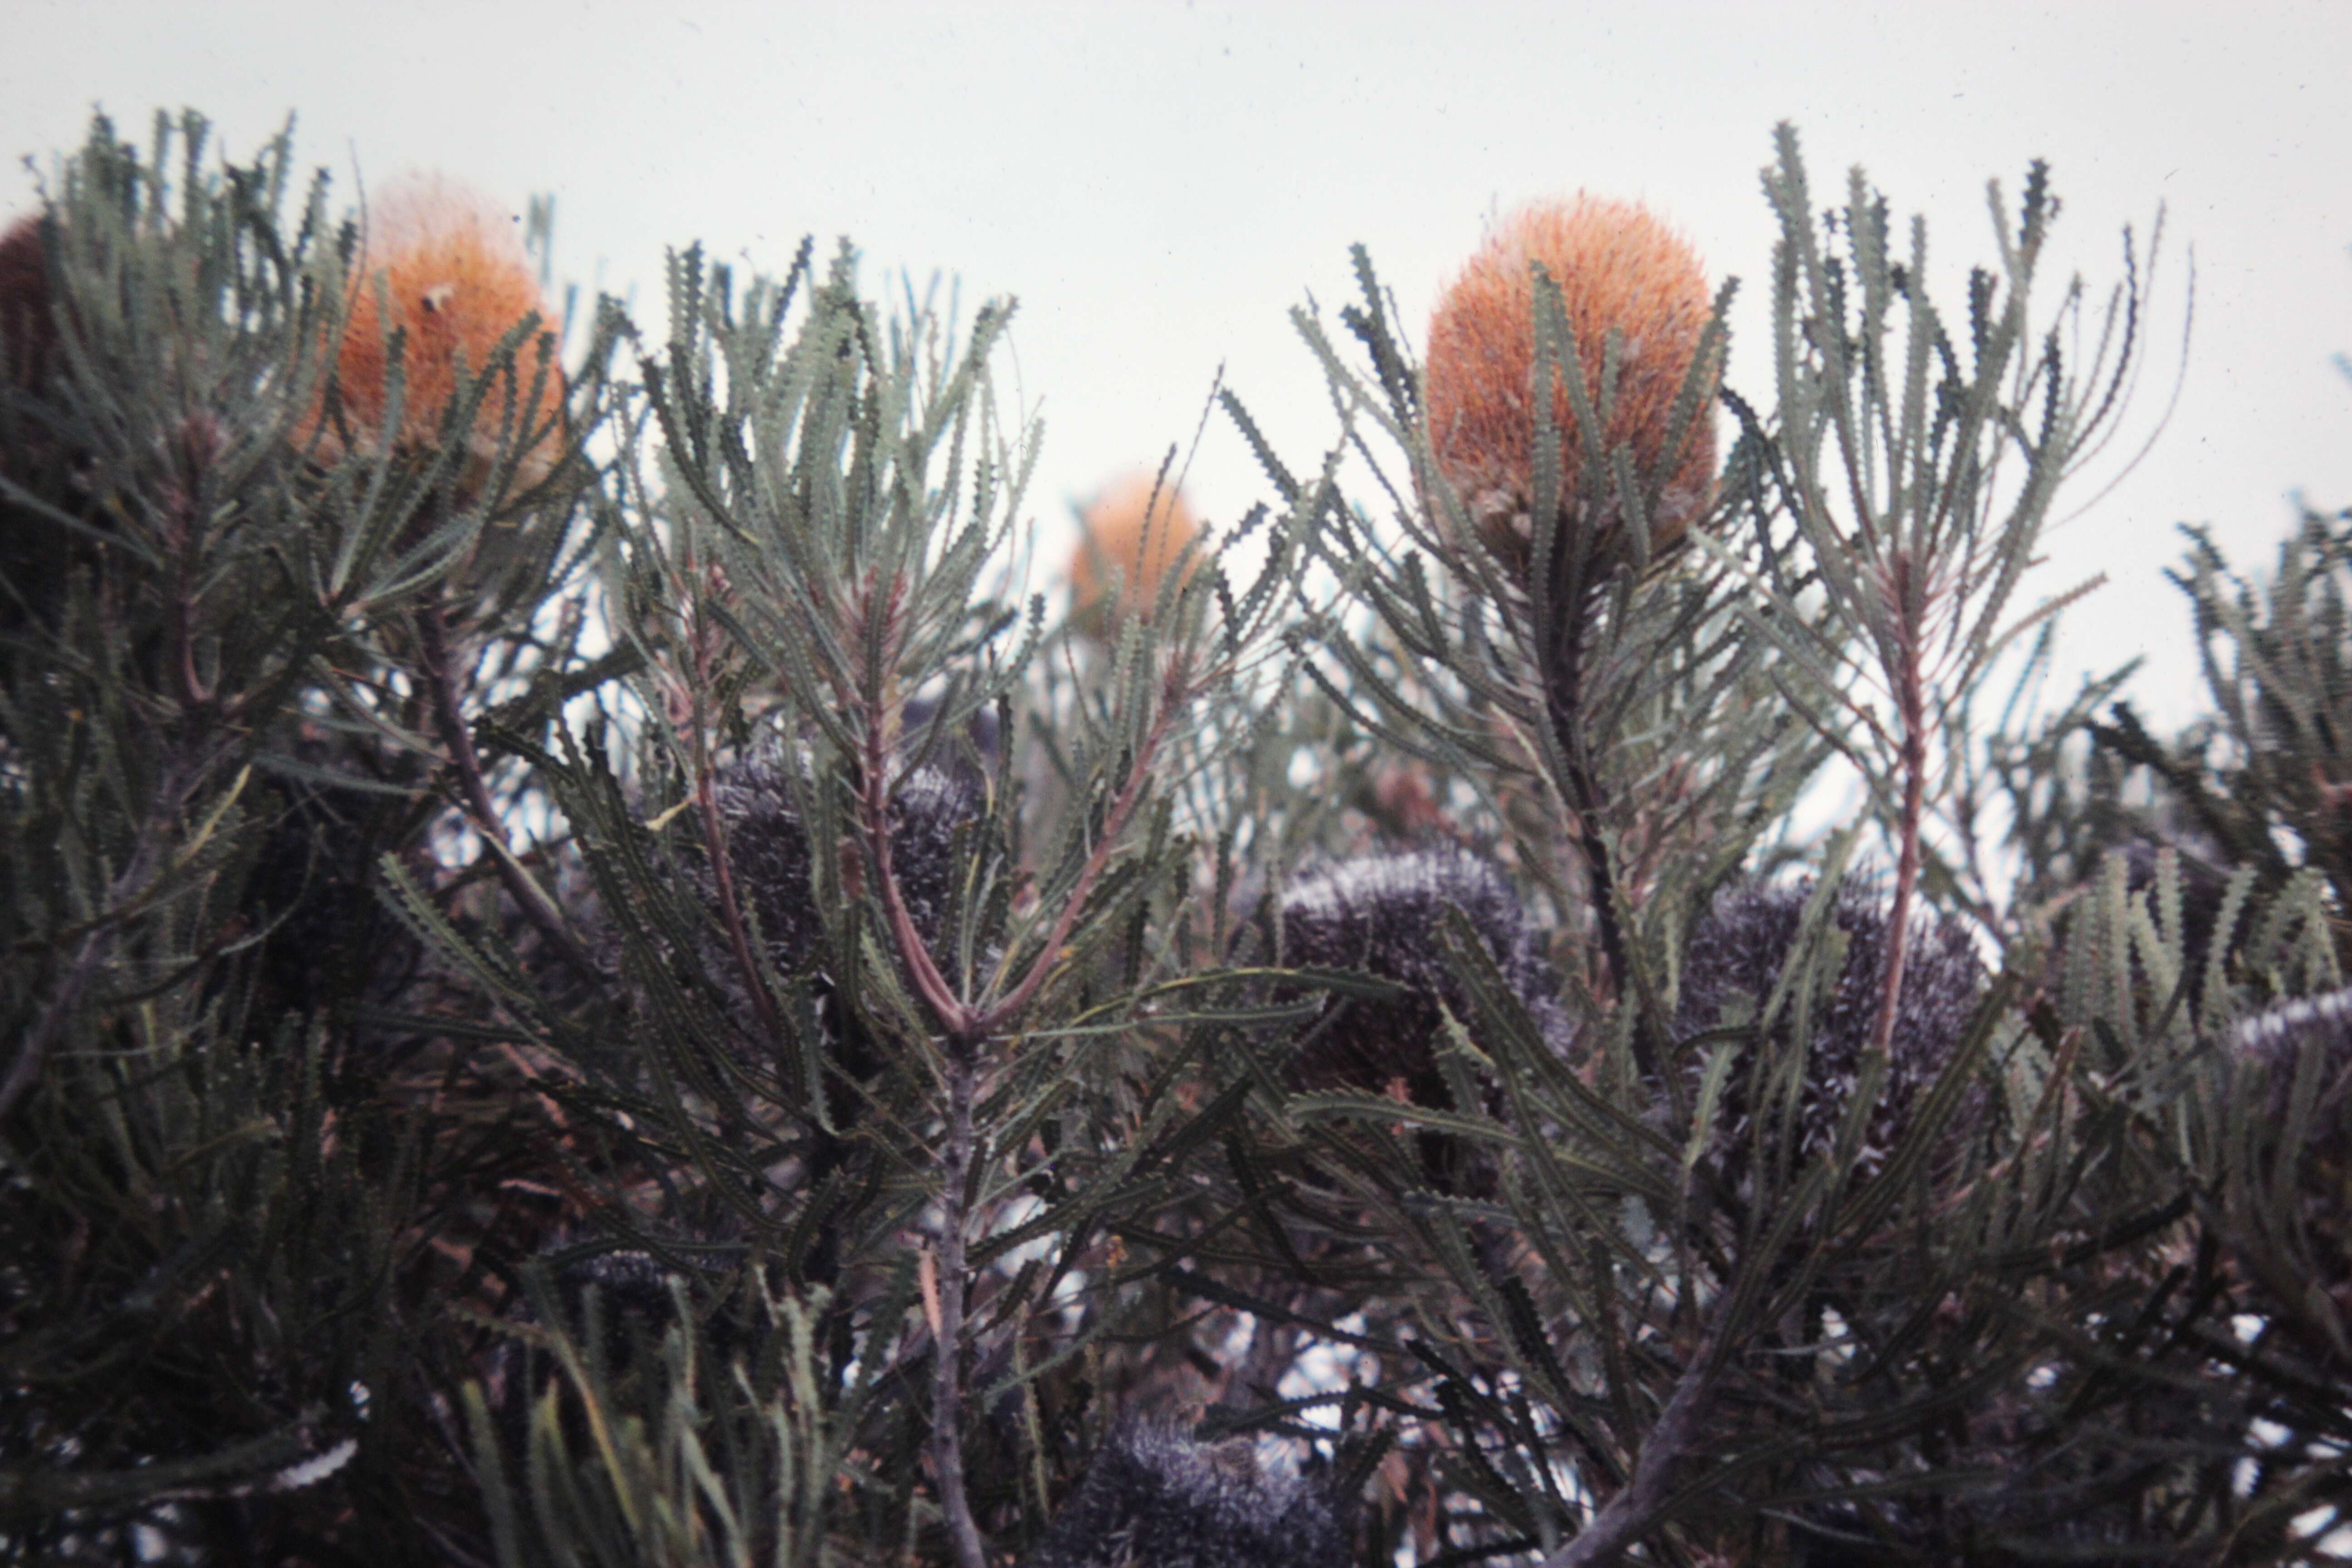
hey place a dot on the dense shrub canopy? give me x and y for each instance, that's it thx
(589, 978)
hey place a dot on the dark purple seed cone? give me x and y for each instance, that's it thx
(768, 854)
(1735, 955)
(1152, 1496)
(313, 885)
(635, 1307)
(1380, 915)
(2302, 1257)
(767, 851)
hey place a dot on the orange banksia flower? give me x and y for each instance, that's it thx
(1617, 266)
(1133, 534)
(457, 280)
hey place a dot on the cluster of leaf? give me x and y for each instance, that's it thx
(679, 1014)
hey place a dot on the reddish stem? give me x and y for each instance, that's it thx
(955, 1016)
(947, 1369)
(967, 1028)
(1139, 774)
(440, 678)
(1911, 705)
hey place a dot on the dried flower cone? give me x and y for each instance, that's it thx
(1135, 531)
(457, 280)
(28, 331)
(1617, 266)
(2300, 1250)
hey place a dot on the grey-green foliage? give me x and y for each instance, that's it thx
(679, 1014)
(1919, 480)
(802, 542)
(2258, 782)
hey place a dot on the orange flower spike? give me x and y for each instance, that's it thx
(457, 280)
(1134, 535)
(1617, 266)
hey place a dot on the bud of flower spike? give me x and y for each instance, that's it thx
(1741, 947)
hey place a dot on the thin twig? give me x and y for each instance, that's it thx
(1564, 675)
(1622, 1521)
(184, 510)
(954, 1014)
(947, 1367)
(714, 840)
(440, 678)
(714, 830)
(1172, 696)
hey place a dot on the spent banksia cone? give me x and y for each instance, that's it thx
(767, 848)
(1380, 915)
(1152, 1495)
(1135, 531)
(29, 331)
(1735, 957)
(457, 281)
(1618, 268)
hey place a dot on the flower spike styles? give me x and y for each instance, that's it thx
(1619, 268)
(457, 281)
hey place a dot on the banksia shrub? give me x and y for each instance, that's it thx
(721, 872)
(1619, 269)
(1135, 532)
(455, 283)
(1737, 955)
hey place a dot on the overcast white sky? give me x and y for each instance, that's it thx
(1160, 183)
